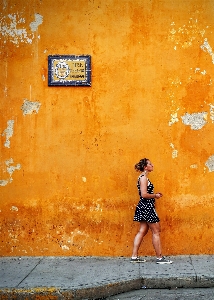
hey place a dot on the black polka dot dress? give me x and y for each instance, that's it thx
(145, 210)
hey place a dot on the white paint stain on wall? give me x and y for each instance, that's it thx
(3, 182)
(14, 208)
(28, 107)
(195, 120)
(96, 205)
(8, 133)
(194, 166)
(84, 179)
(73, 239)
(10, 170)
(38, 21)
(174, 119)
(198, 70)
(210, 163)
(14, 29)
(174, 152)
(186, 34)
(4, 4)
(175, 81)
(207, 48)
(81, 207)
(212, 112)
(64, 247)
(96, 208)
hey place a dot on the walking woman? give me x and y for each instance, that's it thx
(145, 213)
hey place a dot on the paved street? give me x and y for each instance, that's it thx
(100, 277)
(165, 294)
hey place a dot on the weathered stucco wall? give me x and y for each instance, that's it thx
(67, 185)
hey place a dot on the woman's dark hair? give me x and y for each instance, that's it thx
(141, 164)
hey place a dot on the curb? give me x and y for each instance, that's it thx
(78, 294)
(178, 282)
(101, 292)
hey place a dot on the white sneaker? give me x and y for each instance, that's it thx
(163, 260)
(138, 260)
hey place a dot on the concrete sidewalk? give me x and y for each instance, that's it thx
(98, 277)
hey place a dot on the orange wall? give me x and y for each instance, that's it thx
(68, 185)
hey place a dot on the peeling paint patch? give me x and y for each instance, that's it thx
(210, 163)
(176, 81)
(185, 35)
(83, 179)
(174, 152)
(10, 170)
(96, 208)
(174, 119)
(195, 166)
(38, 21)
(77, 234)
(212, 112)
(4, 4)
(64, 247)
(3, 182)
(8, 132)
(14, 208)
(28, 107)
(81, 207)
(10, 29)
(13, 28)
(206, 48)
(198, 70)
(195, 120)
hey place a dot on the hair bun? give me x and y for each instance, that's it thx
(141, 164)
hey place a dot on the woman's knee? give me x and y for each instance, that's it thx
(155, 228)
(143, 232)
(143, 229)
(156, 234)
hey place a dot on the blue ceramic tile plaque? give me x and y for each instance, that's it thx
(69, 70)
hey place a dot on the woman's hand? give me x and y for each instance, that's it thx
(158, 195)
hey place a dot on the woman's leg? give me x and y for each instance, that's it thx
(155, 228)
(139, 238)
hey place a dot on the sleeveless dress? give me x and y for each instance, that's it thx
(145, 210)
